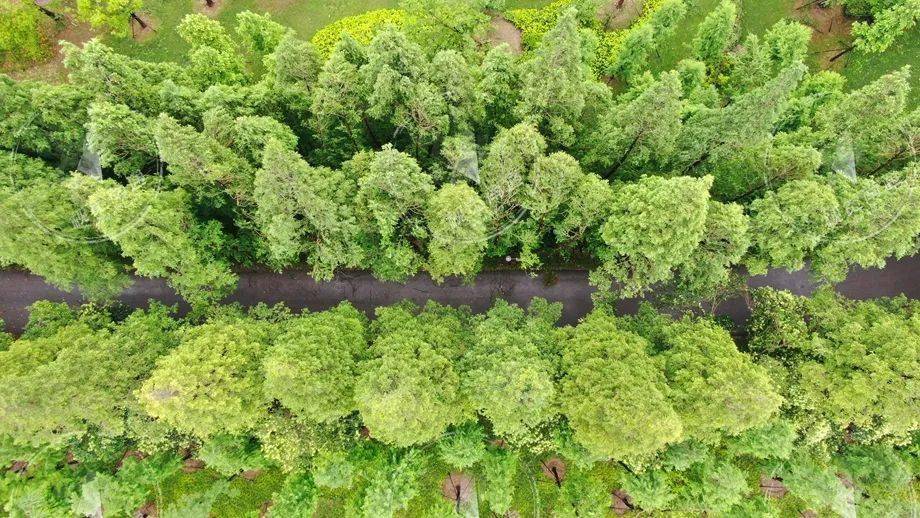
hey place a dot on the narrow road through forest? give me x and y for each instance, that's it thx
(298, 290)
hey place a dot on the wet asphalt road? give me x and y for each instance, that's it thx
(298, 290)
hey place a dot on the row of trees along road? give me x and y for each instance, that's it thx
(446, 153)
(366, 417)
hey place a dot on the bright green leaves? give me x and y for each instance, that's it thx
(408, 392)
(614, 396)
(313, 366)
(458, 221)
(392, 192)
(211, 382)
(654, 226)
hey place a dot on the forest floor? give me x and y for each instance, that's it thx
(298, 290)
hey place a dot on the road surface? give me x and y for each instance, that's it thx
(298, 290)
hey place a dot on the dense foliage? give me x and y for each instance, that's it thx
(365, 417)
(420, 146)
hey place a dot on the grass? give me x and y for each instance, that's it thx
(243, 499)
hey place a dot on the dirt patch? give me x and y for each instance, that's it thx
(830, 31)
(192, 465)
(210, 8)
(148, 510)
(503, 31)
(620, 502)
(458, 488)
(619, 14)
(554, 469)
(143, 26)
(772, 487)
(251, 474)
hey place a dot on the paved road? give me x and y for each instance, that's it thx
(296, 289)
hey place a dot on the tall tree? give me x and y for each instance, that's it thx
(789, 223)
(55, 402)
(46, 228)
(867, 126)
(500, 85)
(305, 211)
(392, 193)
(313, 365)
(613, 394)
(715, 389)
(121, 137)
(558, 83)
(161, 236)
(716, 34)
(339, 103)
(212, 382)
(654, 226)
(880, 219)
(402, 98)
(458, 221)
(640, 131)
(408, 391)
(510, 373)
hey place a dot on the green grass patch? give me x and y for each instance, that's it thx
(243, 499)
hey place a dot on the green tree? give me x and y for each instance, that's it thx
(408, 391)
(866, 125)
(639, 132)
(725, 242)
(402, 97)
(212, 57)
(789, 223)
(161, 236)
(392, 194)
(258, 33)
(500, 86)
(509, 377)
(879, 220)
(339, 104)
(296, 497)
(45, 229)
(463, 446)
(613, 395)
(230, 455)
(715, 389)
(499, 467)
(889, 21)
(458, 221)
(393, 480)
(558, 83)
(312, 367)
(122, 137)
(455, 79)
(304, 211)
(654, 226)
(211, 383)
(716, 34)
(505, 169)
(38, 119)
(845, 357)
(21, 33)
(113, 15)
(632, 56)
